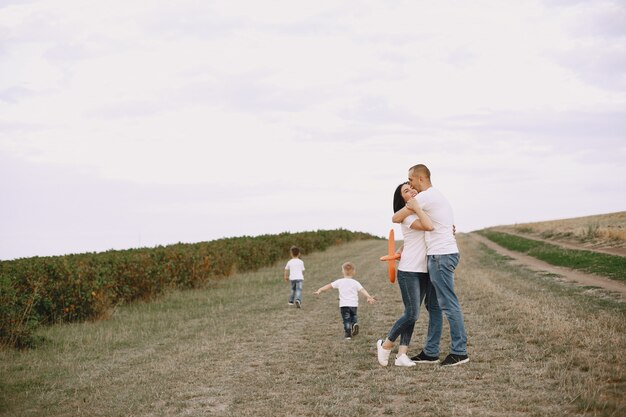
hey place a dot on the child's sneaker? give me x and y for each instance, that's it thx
(403, 360)
(355, 329)
(382, 353)
(290, 303)
(298, 304)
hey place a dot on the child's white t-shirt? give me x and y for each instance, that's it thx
(295, 266)
(348, 291)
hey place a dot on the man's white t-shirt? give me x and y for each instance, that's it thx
(414, 248)
(295, 267)
(348, 291)
(441, 240)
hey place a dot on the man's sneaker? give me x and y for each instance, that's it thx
(298, 303)
(403, 360)
(454, 360)
(382, 353)
(355, 329)
(424, 358)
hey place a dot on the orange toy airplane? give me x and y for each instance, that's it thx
(391, 257)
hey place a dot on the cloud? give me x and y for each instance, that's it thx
(185, 116)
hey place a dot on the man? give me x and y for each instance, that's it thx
(443, 257)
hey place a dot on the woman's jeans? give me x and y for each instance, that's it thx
(296, 291)
(413, 287)
(441, 270)
(349, 317)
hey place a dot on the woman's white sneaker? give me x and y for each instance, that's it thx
(403, 360)
(383, 354)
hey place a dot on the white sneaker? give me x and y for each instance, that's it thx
(383, 354)
(403, 360)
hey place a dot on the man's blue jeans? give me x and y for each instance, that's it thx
(296, 291)
(413, 287)
(441, 270)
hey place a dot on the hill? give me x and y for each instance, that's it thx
(602, 232)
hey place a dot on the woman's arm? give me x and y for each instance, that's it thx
(401, 214)
(423, 222)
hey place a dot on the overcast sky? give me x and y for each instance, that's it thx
(130, 123)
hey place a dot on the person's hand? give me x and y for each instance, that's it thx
(286, 279)
(317, 292)
(412, 204)
(371, 300)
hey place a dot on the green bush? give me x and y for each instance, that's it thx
(46, 290)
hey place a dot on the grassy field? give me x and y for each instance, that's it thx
(610, 266)
(538, 347)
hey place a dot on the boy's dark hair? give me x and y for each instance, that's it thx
(295, 251)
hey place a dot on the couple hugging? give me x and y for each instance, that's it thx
(428, 259)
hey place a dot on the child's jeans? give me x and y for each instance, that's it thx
(348, 315)
(296, 291)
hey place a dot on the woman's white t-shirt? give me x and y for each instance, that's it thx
(295, 267)
(348, 291)
(414, 248)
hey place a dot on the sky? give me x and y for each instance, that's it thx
(135, 123)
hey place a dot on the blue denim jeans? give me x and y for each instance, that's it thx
(296, 291)
(413, 288)
(349, 317)
(441, 270)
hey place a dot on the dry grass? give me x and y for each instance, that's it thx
(537, 348)
(604, 230)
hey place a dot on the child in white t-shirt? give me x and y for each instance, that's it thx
(294, 274)
(349, 290)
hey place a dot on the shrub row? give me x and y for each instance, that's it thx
(45, 290)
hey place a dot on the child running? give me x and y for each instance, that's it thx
(349, 290)
(294, 273)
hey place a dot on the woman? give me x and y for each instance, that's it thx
(412, 277)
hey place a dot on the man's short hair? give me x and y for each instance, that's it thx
(421, 169)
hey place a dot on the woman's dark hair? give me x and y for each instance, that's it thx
(398, 200)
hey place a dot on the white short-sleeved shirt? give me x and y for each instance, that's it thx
(414, 248)
(441, 240)
(296, 269)
(348, 291)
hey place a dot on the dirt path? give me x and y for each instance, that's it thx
(567, 245)
(571, 275)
